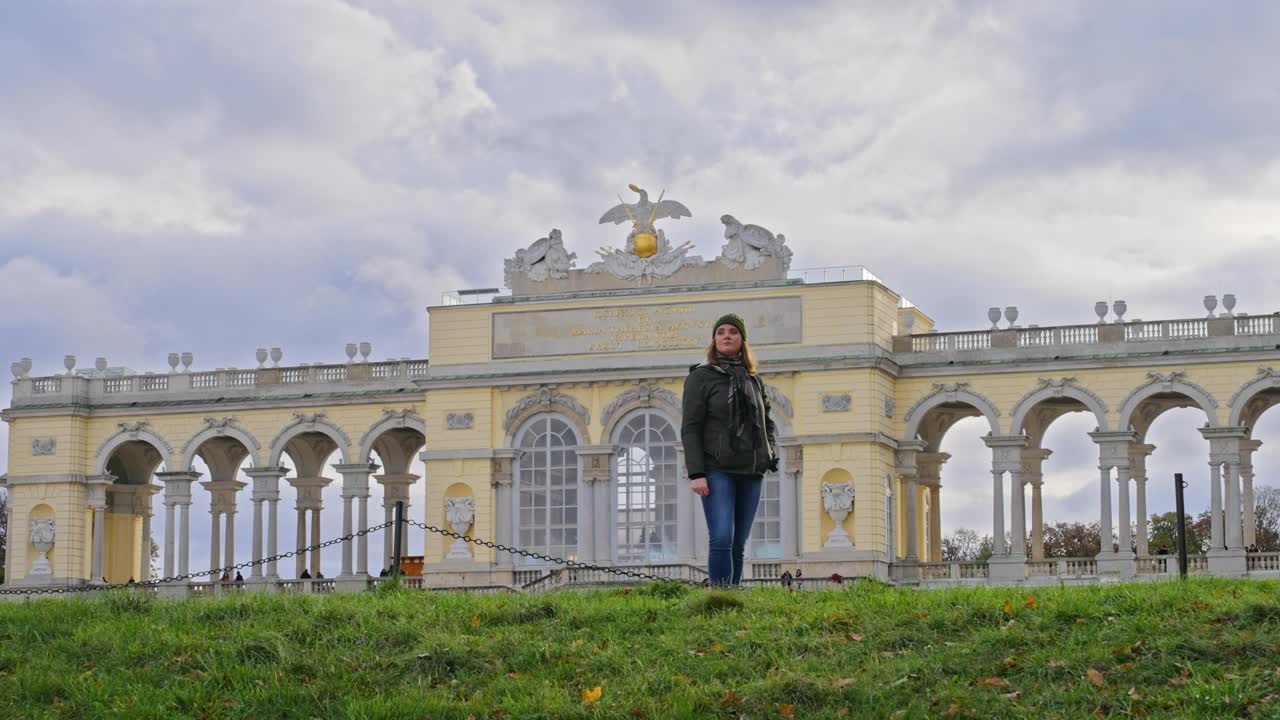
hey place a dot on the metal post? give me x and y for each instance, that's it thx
(1178, 485)
(398, 521)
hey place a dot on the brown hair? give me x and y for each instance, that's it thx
(748, 357)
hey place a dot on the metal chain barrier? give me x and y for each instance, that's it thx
(550, 558)
(189, 576)
(623, 572)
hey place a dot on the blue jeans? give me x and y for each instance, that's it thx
(730, 509)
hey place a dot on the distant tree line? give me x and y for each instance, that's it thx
(1076, 539)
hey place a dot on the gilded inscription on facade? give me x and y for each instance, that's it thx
(639, 328)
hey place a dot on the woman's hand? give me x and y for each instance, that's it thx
(700, 487)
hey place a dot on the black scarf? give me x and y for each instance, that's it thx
(745, 423)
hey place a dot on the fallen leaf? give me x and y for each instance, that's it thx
(920, 615)
(576, 644)
(786, 710)
(1008, 607)
(854, 637)
(995, 682)
(951, 711)
(513, 676)
(844, 682)
(731, 699)
(1031, 602)
(1133, 694)
(1080, 621)
(1095, 677)
(590, 697)
(684, 678)
(1012, 696)
(475, 621)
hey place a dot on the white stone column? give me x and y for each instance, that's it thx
(1215, 506)
(215, 543)
(266, 489)
(1246, 478)
(99, 524)
(169, 520)
(997, 512)
(935, 523)
(1125, 517)
(256, 570)
(229, 557)
(300, 559)
(1104, 503)
(355, 487)
(184, 539)
(1037, 521)
(272, 515)
(348, 566)
(144, 569)
(913, 526)
(315, 540)
(790, 479)
(1017, 514)
(685, 500)
(1140, 523)
(1234, 512)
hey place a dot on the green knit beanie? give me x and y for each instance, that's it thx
(731, 319)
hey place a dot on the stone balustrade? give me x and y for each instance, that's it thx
(212, 384)
(1067, 336)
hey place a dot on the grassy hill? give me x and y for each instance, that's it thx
(1206, 648)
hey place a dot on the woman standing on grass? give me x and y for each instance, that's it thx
(729, 444)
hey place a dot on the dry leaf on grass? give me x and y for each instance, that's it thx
(995, 682)
(1008, 607)
(786, 710)
(589, 697)
(845, 682)
(854, 637)
(1031, 602)
(1095, 678)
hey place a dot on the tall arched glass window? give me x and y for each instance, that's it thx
(646, 481)
(547, 488)
(765, 542)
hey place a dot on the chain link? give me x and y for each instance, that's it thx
(292, 553)
(549, 558)
(189, 576)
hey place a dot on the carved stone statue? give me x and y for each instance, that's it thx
(545, 258)
(750, 245)
(42, 535)
(461, 512)
(648, 254)
(837, 500)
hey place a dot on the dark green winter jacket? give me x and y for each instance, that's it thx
(705, 430)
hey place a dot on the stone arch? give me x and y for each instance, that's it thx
(1174, 383)
(130, 432)
(621, 421)
(957, 393)
(1248, 403)
(226, 427)
(644, 396)
(1050, 390)
(547, 399)
(407, 418)
(305, 423)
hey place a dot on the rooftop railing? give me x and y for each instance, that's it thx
(213, 383)
(1137, 331)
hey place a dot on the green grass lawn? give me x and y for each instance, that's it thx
(1206, 648)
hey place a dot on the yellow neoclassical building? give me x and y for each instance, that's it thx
(548, 419)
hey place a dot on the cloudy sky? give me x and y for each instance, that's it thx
(216, 177)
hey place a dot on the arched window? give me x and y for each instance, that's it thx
(547, 489)
(647, 481)
(765, 542)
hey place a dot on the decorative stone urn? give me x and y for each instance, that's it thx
(42, 535)
(837, 500)
(461, 512)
